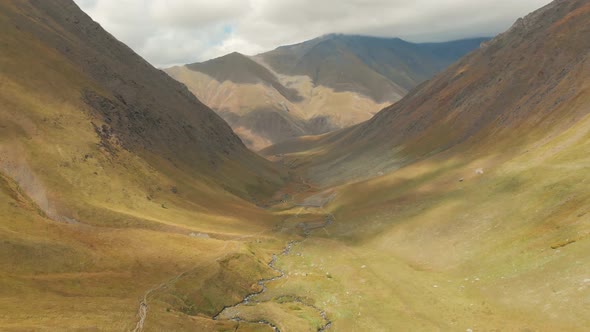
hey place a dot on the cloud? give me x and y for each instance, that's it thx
(191, 14)
(169, 32)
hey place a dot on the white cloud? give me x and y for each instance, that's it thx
(168, 32)
(190, 14)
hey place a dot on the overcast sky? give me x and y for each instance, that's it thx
(170, 32)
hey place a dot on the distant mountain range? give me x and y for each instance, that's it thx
(324, 84)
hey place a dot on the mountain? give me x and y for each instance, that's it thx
(321, 85)
(464, 206)
(381, 68)
(240, 69)
(248, 96)
(128, 205)
(528, 79)
(113, 179)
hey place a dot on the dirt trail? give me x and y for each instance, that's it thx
(142, 312)
(143, 304)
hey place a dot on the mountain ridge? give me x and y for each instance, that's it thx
(367, 49)
(458, 104)
(248, 72)
(314, 87)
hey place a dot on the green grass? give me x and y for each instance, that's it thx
(418, 249)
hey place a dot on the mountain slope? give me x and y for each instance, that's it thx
(248, 96)
(114, 179)
(380, 68)
(321, 85)
(119, 212)
(465, 205)
(530, 78)
(238, 68)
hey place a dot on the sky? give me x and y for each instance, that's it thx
(173, 32)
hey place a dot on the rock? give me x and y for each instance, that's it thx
(200, 235)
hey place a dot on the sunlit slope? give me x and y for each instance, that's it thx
(117, 187)
(262, 109)
(476, 216)
(482, 241)
(476, 213)
(527, 84)
(257, 111)
(113, 180)
(322, 85)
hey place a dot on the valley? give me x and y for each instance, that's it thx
(457, 201)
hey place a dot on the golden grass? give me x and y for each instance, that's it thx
(415, 249)
(134, 221)
(436, 245)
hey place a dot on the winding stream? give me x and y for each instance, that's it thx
(263, 284)
(307, 229)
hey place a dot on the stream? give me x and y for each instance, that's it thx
(263, 284)
(142, 312)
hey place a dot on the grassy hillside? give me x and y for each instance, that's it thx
(521, 87)
(475, 216)
(438, 245)
(482, 240)
(126, 204)
(113, 180)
